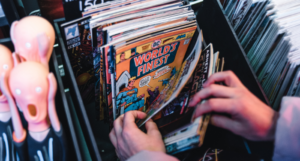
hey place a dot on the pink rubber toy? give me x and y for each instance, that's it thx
(33, 38)
(6, 64)
(34, 89)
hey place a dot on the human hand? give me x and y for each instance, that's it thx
(129, 140)
(249, 117)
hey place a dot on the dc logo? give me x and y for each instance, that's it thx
(156, 43)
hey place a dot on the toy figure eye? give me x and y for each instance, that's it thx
(18, 91)
(5, 66)
(38, 89)
(28, 45)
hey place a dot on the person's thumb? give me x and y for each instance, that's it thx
(152, 129)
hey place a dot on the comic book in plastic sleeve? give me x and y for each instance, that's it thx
(141, 67)
(175, 84)
(77, 39)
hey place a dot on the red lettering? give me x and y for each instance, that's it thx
(139, 60)
(154, 54)
(160, 52)
(148, 57)
(166, 49)
(140, 69)
(166, 58)
(156, 63)
(161, 61)
(149, 66)
(173, 46)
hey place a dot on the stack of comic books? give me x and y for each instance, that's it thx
(268, 32)
(146, 55)
(138, 43)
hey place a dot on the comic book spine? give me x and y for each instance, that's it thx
(104, 85)
(77, 37)
(113, 79)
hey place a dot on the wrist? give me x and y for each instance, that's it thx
(271, 132)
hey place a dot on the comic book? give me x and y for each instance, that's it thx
(77, 37)
(192, 135)
(143, 64)
(175, 83)
(96, 27)
(141, 67)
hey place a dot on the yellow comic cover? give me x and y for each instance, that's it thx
(144, 68)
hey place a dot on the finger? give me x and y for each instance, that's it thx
(152, 129)
(118, 126)
(218, 105)
(212, 90)
(228, 77)
(113, 138)
(131, 116)
(223, 122)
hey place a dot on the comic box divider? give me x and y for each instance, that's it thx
(85, 120)
(218, 31)
(65, 118)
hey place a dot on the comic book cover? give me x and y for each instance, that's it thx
(126, 71)
(175, 84)
(142, 67)
(98, 41)
(77, 39)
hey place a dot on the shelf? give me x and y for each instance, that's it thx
(80, 109)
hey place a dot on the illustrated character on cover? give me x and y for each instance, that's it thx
(152, 95)
(133, 52)
(122, 57)
(177, 104)
(166, 81)
(128, 99)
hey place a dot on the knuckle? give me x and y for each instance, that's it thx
(211, 103)
(230, 73)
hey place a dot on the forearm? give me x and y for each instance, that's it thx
(151, 156)
(287, 140)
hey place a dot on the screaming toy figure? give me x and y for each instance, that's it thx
(34, 89)
(6, 143)
(33, 38)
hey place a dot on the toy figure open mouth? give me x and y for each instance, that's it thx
(1, 92)
(32, 110)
